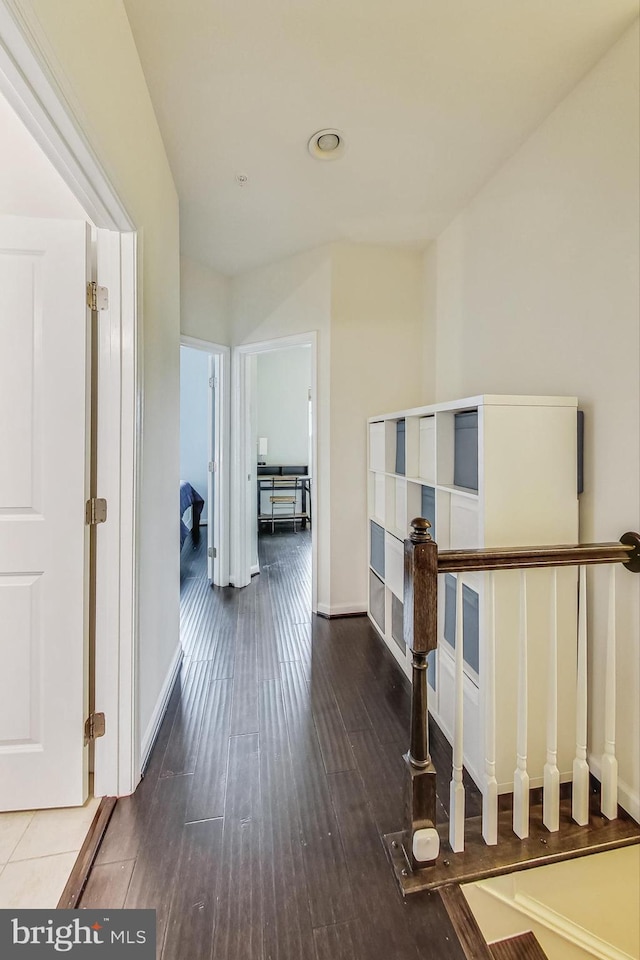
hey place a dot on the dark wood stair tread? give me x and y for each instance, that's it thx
(523, 947)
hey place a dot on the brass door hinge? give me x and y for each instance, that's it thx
(97, 297)
(94, 727)
(95, 511)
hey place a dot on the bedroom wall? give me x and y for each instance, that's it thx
(535, 290)
(284, 380)
(90, 48)
(195, 397)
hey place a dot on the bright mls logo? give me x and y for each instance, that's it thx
(121, 934)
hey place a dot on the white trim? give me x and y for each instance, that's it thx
(342, 609)
(160, 708)
(255, 569)
(243, 457)
(221, 454)
(34, 84)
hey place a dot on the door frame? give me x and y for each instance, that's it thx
(243, 456)
(221, 428)
(37, 94)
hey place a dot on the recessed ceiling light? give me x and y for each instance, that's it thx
(326, 145)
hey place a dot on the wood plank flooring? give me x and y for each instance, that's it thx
(256, 830)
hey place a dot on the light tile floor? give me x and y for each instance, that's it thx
(38, 849)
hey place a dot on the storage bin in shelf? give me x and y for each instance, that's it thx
(428, 508)
(397, 623)
(377, 446)
(376, 548)
(396, 506)
(394, 564)
(400, 456)
(470, 624)
(457, 448)
(377, 600)
(427, 449)
(414, 504)
(377, 483)
(464, 528)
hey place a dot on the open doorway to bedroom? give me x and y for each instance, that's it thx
(203, 472)
(275, 461)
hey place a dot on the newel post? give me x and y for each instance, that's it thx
(420, 635)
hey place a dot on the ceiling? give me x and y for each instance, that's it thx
(431, 96)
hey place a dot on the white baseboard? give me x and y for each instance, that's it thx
(341, 609)
(628, 798)
(255, 569)
(159, 710)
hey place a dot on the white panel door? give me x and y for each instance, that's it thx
(43, 537)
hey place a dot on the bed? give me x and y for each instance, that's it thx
(189, 497)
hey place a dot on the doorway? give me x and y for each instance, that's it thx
(204, 457)
(275, 449)
(76, 192)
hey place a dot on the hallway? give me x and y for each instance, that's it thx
(255, 832)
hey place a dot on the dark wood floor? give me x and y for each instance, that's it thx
(256, 831)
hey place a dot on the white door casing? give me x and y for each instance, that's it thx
(211, 477)
(43, 535)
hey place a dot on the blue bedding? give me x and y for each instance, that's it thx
(189, 497)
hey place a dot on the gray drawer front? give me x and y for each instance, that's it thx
(400, 447)
(376, 560)
(465, 453)
(376, 599)
(397, 631)
(429, 508)
(470, 621)
(431, 669)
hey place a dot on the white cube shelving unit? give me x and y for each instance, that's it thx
(523, 452)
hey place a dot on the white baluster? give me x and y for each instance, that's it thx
(580, 798)
(456, 789)
(551, 791)
(520, 776)
(609, 804)
(490, 795)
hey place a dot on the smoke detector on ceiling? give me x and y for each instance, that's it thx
(326, 145)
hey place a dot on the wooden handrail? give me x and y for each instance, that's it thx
(626, 551)
(422, 564)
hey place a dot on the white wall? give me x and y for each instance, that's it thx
(537, 292)
(204, 302)
(91, 50)
(376, 366)
(30, 186)
(284, 381)
(195, 398)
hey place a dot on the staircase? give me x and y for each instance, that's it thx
(527, 827)
(524, 946)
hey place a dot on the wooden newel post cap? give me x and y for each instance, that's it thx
(420, 530)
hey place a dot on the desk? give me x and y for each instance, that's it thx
(285, 478)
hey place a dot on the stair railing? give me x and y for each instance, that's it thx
(420, 840)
